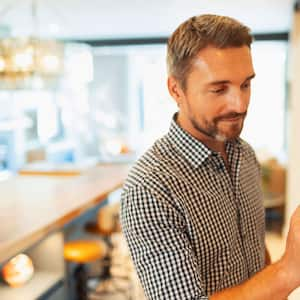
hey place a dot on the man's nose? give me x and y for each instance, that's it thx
(238, 102)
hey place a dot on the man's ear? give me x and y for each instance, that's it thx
(175, 89)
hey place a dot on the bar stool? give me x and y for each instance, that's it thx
(107, 221)
(105, 226)
(108, 226)
(83, 252)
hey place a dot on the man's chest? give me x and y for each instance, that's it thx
(225, 222)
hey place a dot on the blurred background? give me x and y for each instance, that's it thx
(81, 79)
(86, 81)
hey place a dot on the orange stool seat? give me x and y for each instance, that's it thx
(84, 251)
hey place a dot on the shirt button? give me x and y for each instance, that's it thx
(220, 168)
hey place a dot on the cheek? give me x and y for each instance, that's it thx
(204, 107)
(214, 109)
(210, 109)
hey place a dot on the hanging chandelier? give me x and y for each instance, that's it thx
(24, 60)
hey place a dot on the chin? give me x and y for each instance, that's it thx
(223, 137)
(229, 135)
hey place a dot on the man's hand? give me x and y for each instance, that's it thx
(291, 257)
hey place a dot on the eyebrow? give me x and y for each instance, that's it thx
(218, 82)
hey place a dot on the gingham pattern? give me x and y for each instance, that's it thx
(192, 228)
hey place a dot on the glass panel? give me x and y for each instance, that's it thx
(265, 124)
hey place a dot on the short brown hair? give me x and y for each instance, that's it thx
(196, 34)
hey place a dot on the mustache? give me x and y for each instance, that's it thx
(231, 115)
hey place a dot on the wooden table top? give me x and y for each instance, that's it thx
(33, 206)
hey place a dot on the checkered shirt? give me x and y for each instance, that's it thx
(193, 228)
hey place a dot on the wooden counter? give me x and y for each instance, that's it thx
(33, 206)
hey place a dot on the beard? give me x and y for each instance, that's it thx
(211, 128)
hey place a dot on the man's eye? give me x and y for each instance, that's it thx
(218, 91)
(246, 85)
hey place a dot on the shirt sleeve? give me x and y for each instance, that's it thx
(155, 231)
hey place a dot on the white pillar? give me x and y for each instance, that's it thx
(293, 167)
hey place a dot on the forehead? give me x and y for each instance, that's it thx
(233, 64)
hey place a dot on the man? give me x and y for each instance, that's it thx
(191, 208)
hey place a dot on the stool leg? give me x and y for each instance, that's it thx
(80, 276)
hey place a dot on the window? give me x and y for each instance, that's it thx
(150, 108)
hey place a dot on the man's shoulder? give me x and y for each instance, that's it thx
(246, 147)
(150, 168)
(249, 153)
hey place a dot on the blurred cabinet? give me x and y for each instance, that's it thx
(49, 272)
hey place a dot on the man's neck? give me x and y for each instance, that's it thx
(210, 142)
(219, 147)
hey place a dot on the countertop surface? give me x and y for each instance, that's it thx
(32, 206)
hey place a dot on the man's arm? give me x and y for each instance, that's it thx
(269, 284)
(155, 231)
(277, 280)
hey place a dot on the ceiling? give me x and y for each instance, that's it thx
(98, 19)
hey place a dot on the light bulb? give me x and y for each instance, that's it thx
(50, 63)
(23, 61)
(2, 64)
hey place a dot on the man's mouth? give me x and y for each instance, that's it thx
(232, 119)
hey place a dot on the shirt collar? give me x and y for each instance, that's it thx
(194, 151)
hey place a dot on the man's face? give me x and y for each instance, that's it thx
(215, 101)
